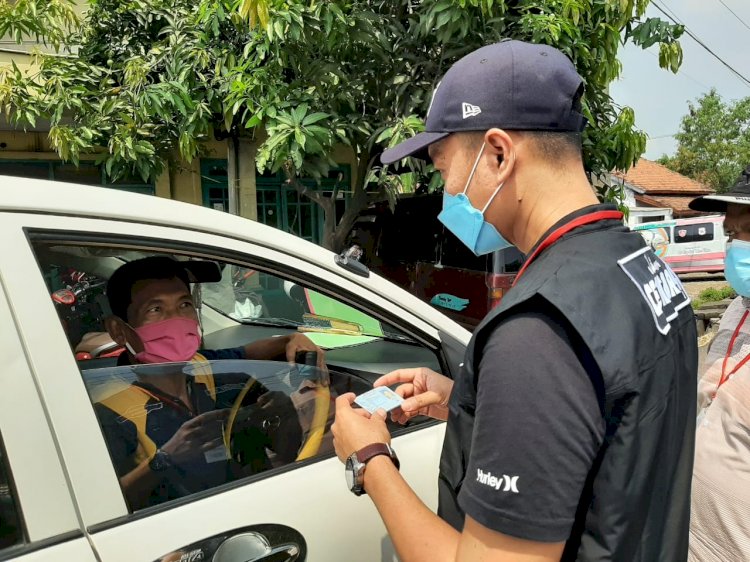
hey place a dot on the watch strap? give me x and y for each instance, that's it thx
(375, 449)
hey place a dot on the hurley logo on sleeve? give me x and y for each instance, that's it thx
(508, 483)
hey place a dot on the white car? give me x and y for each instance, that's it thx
(60, 496)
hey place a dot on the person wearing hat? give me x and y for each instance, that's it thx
(164, 431)
(570, 428)
(719, 523)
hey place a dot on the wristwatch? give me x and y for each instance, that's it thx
(160, 462)
(355, 465)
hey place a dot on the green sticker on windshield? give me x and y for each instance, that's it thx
(322, 305)
(333, 341)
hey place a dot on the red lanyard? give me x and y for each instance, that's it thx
(564, 229)
(724, 375)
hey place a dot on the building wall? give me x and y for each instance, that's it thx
(183, 183)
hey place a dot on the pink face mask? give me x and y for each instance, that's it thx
(169, 341)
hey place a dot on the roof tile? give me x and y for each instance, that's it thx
(656, 179)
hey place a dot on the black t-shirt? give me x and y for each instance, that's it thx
(538, 427)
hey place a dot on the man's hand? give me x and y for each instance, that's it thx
(425, 392)
(356, 428)
(196, 436)
(288, 346)
(300, 343)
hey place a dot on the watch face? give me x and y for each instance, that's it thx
(160, 461)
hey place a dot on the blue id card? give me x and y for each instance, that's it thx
(379, 398)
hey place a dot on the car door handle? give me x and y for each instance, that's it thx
(255, 547)
(266, 542)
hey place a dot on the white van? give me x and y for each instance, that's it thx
(688, 245)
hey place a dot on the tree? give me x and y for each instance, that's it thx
(713, 142)
(154, 79)
(47, 21)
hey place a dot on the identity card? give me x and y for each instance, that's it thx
(378, 398)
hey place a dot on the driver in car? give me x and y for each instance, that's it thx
(165, 431)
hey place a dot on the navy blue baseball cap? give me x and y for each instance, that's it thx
(511, 85)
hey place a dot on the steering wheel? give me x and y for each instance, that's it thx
(317, 428)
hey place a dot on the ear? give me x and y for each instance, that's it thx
(501, 150)
(116, 329)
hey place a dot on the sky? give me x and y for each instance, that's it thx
(660, 98)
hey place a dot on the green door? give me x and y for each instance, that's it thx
(215, 183)
(281, 206)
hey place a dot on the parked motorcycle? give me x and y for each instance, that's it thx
(82, 316)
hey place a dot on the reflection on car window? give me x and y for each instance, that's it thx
(251, 296)
(245, 417)
(11, 532)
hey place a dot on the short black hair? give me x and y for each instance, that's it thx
(553, 146)
(120, 285)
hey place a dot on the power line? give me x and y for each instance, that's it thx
(661, 137)
(673, 14)
(739, 19)
(702, 44)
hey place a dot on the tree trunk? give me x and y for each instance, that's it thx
(233, 179)
(334, 235)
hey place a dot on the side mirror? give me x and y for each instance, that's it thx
(349, 260)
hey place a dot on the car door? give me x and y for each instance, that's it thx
(304, 507)
(38, 518)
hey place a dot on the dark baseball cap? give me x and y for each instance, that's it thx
(511, 85)
(120, 285)
(717, 203)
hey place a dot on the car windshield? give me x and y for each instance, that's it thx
(255, 297)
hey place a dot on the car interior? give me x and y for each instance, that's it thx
(237, 303)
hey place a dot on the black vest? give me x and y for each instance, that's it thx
(636, 502)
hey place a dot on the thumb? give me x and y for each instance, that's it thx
(291, 353)
(344, 402)
(379, 413)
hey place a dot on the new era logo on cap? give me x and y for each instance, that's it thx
(470, 110)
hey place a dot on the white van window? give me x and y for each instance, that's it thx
(699, 232)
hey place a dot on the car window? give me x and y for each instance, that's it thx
(220, 416)
(250, 296)
(698, 232)
(245, 418)
(11, 532)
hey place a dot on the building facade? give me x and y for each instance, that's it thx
(204, 181)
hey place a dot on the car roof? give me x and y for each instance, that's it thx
(58, 198)
(37, 196)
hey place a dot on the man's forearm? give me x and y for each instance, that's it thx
(417, 533)
(138, 484)
(266, 349)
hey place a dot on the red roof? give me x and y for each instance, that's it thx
(679, 205)
(655, 179)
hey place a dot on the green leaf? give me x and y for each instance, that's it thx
(314, 118)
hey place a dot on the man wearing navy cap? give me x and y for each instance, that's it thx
(571, 425)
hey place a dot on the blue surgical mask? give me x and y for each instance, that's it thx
(467, 222)
(737, 266)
